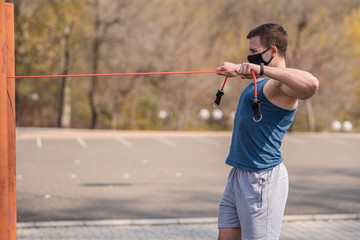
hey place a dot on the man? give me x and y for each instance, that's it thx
(254, 199)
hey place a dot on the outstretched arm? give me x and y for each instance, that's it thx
(294, 83)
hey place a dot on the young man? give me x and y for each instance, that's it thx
(254, 199)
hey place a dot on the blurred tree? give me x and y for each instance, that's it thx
(145, 36)
(43, 25)
(350, 44)
(102, 25)
(66, 15)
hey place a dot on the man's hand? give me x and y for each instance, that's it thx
(228, 67)
(244, 70)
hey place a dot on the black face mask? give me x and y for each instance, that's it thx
(257, 58)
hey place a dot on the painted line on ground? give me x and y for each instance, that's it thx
(124, 142)
(288, 139)
(335, 140)
(175, 221)
(81, 141)
(166, 141)
(206, 140)
(38, 142)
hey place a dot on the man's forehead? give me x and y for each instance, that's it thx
(255, 43)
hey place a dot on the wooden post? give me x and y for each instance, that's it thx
(10, 71)
(4, 181)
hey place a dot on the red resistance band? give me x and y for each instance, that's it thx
(257, 116)
(255, 105)
(117, 74)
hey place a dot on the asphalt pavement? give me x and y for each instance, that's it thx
(80, 175)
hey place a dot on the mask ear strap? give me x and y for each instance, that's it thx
(267, 63)
(265, 50)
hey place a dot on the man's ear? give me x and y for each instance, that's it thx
(274, 51)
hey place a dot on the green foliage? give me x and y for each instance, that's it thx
(351, 33)
(145, 36)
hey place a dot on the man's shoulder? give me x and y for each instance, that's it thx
(274, 93)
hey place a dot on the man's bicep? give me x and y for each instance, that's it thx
(295, 94)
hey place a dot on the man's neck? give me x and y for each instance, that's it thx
(279, 62)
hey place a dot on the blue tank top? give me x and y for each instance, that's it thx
(255, 146)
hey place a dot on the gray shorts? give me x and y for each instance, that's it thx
(255, 202)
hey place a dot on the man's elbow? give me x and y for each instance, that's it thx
(313, 85)
(312, 88)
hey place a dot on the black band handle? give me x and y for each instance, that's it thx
(257, 116)
(219, 94)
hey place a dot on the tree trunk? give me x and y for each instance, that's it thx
(96, 46)
(310, 114)
(182, 105)
(66, 108)
(64, 96)
(114, 118)
(308, 104)
(93, 110)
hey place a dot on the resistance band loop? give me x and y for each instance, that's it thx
(257, 116)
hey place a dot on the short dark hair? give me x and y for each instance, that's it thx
(271, 34)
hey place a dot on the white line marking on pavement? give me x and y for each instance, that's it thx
(294, 140)
(166, 141)
(124, 142)
(335, 140)
(38, 142)
(81, 141)
(207, 140)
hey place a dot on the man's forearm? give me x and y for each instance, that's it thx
(297, 83)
